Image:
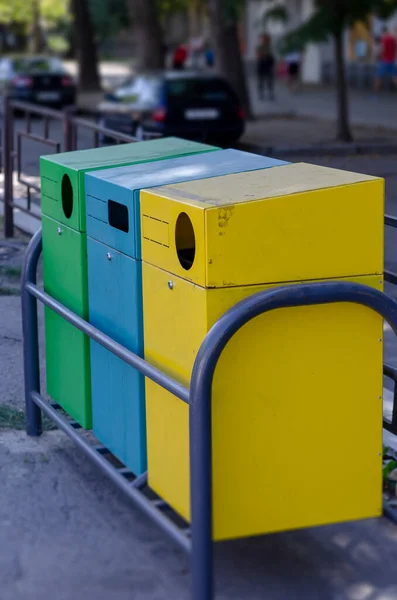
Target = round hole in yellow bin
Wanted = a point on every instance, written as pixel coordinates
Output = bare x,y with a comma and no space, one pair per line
67,196
185,241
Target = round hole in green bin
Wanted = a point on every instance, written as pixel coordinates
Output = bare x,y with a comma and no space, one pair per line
185,241
67,196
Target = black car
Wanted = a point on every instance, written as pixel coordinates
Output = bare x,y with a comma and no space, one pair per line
193,105
37,79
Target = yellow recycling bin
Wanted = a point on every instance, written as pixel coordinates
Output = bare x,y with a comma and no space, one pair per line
297,393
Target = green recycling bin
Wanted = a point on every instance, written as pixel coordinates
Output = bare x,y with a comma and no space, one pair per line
65,258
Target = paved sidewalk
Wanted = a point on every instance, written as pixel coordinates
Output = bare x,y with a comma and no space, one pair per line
308,117
71,531
282,136
367,108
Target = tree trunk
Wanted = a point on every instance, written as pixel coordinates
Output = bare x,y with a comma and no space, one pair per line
195,25
86,49
71,37
36,40
148,34
228,60
343,126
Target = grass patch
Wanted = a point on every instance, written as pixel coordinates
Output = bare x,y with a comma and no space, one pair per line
9,291
10,271
13,418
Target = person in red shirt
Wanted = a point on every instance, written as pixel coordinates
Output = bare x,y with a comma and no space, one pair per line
387,68
179,58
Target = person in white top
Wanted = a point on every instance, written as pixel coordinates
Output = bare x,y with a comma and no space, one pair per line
196,47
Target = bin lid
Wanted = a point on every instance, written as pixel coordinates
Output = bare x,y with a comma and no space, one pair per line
62,175
113,213
293,223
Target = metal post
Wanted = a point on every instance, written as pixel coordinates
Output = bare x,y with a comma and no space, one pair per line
200,449
68,131
8,161
394,414
31,358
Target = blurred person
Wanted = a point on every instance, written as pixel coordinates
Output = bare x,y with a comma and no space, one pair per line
361,50
293,60
265,67
179,57
387,59
209,57
196,48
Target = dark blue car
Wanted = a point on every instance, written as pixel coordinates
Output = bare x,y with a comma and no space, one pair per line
38,79
193,105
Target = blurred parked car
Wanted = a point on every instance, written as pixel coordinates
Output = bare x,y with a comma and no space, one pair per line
191,105
37,79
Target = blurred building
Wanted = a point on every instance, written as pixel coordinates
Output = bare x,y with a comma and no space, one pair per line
299,11
317,59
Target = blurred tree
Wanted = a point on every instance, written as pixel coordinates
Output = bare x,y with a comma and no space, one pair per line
36,35
148,33
109,17
86,49
195,12
332,18
170,7
27,17
24,11
224,17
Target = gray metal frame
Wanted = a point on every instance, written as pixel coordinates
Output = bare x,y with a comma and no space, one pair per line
196,540
389,371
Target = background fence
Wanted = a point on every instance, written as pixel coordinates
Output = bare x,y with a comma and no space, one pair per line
37,125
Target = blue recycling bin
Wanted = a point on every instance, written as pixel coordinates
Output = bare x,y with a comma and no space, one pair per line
115,286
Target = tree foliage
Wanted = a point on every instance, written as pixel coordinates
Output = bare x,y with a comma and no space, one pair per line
330,18
21,11
170,7
108,17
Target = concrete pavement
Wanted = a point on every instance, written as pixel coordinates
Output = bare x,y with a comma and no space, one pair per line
307,118
67,533
367,108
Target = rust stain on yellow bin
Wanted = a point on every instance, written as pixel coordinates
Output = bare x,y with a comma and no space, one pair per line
296,407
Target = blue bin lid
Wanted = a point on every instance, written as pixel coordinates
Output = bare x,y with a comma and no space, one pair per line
112,195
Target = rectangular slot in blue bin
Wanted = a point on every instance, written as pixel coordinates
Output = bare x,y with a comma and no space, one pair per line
115,286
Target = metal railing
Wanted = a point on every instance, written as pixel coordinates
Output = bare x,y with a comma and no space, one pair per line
389,371
12,147
198,539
